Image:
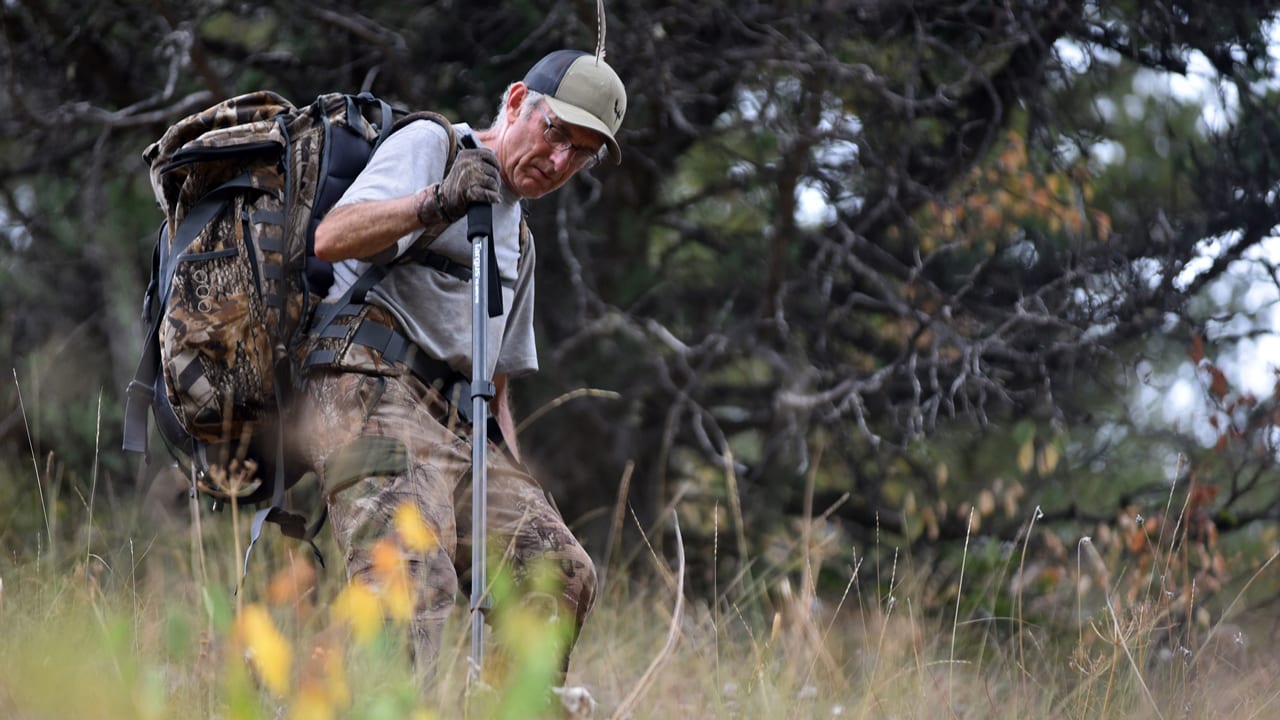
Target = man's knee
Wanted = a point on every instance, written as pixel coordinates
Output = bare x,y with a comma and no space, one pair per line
436,580
430,580
579,582
576,578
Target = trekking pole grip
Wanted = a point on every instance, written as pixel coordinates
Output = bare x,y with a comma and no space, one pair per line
479,215
479,221
480,232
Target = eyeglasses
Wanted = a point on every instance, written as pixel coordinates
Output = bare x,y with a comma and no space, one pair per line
558,139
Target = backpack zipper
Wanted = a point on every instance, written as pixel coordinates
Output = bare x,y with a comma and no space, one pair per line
184,157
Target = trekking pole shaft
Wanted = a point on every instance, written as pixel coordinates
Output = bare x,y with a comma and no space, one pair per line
479,230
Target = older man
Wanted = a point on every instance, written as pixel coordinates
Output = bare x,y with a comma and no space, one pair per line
384,374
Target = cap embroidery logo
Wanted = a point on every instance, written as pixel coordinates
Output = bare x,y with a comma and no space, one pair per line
617,111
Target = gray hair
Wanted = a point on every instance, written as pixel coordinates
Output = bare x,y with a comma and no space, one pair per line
531,98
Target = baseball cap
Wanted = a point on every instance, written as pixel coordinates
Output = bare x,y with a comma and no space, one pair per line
582,90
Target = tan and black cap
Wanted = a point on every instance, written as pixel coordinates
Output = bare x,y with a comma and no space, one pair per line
582,89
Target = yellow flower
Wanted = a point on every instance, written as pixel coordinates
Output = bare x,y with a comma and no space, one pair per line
323,684
413,530
394,589
293,583
335,679
358,606
311,703
265,648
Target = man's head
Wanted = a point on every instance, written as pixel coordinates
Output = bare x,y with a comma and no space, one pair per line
582,90
559,119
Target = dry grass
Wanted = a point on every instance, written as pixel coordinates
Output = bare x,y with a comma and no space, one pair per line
136,614
152,630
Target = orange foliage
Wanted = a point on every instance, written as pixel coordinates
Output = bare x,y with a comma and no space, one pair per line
1001,199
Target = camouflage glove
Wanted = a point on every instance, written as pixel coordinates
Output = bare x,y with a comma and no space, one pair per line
474,178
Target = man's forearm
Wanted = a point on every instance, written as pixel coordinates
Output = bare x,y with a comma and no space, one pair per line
363,230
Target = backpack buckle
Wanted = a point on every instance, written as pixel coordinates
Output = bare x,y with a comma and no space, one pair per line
140,390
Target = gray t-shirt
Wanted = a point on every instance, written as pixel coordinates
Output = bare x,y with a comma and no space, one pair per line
432,306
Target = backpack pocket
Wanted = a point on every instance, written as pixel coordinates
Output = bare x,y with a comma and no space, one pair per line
216,349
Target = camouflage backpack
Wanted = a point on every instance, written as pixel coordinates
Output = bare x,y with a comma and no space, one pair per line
234,280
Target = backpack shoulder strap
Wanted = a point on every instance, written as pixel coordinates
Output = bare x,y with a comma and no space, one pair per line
440,120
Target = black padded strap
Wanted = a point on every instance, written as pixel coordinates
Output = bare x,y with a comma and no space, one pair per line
449,266
141,391
386,116
351,299
393,347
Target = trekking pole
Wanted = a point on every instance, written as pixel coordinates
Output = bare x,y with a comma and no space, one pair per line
480,233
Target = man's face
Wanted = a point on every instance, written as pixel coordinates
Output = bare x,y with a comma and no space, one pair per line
539,151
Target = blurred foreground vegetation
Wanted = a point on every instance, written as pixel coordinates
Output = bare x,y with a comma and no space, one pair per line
146,624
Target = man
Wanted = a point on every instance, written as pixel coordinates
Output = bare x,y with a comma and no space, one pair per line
383,377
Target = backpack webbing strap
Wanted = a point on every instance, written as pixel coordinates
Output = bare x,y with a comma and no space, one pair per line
352,298
271,271
141,391
449,266
393,347
359,290
355,295
385,114
291,524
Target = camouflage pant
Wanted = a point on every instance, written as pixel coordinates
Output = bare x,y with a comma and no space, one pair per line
379,441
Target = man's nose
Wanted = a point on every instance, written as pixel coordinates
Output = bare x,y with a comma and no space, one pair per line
562,159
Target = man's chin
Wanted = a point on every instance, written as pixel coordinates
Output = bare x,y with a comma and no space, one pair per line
532,190
534,184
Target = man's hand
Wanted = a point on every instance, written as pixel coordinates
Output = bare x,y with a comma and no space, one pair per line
474,178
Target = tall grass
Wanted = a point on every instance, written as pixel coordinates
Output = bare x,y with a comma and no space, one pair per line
142,619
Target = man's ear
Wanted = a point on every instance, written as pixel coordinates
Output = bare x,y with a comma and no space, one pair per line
515,99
